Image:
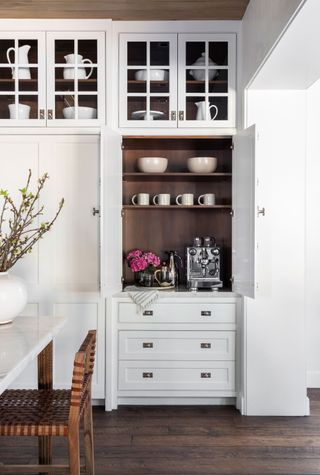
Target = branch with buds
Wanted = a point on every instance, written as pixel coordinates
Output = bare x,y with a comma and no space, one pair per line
18,232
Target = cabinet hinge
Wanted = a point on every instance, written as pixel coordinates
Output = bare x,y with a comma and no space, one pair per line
122,279
232,146
232,279
122,212
122,146
232,213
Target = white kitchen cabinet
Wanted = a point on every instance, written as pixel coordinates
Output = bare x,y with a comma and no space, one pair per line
63,271
55,79
177,80
183,346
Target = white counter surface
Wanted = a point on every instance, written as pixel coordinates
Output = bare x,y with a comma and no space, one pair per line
21,342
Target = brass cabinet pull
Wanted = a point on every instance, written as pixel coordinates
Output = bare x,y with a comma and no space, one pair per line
42,114
181,115
50,114
147,375
205,375
147,345
205,313
205,345
148,313
173,115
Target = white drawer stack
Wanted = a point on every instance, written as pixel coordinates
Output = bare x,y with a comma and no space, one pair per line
184,348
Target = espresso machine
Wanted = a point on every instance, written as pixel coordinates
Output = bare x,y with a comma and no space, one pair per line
203,264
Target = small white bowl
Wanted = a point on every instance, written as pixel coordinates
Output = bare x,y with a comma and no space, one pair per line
155,75
202,164
83,112
152,164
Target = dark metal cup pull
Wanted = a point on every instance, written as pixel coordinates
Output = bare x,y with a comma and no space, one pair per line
147,375
148,313
205,375
205,313
147,345
205,345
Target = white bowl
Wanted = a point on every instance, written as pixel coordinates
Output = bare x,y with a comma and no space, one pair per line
155,75
152,164
83,112
202,164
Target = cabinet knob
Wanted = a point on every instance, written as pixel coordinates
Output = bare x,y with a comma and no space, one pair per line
147,345
181,115
50,114
205,313
261,211
205,345
148,313
147,375
95,211
205,375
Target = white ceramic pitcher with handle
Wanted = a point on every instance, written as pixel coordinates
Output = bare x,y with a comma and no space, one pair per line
24,72
203,108
69,73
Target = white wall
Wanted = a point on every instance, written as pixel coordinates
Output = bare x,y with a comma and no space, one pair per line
275,341
313,236
262,25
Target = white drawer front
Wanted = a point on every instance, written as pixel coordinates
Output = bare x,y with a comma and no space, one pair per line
179,313
177,345
176,375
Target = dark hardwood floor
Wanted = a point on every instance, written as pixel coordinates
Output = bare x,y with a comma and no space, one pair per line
193,441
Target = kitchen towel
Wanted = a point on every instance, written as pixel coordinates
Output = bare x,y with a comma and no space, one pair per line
144,299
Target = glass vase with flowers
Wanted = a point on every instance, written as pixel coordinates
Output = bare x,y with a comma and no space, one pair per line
143,264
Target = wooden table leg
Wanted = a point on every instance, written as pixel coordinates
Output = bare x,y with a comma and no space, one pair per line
45,381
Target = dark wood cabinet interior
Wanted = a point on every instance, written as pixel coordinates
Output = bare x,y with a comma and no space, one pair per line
164,228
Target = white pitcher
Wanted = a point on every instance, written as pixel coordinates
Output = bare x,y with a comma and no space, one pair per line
202,108
69,73
23,73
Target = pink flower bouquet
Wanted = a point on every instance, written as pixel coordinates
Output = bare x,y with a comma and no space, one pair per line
142,261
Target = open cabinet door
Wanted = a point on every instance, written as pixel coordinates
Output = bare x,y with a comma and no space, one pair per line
243,225
111,199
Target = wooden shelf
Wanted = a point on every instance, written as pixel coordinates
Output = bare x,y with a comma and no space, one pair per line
189,81
128,207
180,176
81,81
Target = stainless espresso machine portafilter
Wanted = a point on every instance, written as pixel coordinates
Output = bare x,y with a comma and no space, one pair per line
203,264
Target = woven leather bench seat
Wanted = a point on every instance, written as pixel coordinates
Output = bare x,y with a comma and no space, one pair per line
34,412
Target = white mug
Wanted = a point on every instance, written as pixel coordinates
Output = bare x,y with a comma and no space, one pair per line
22,110
186,199
209,199
163,199
142,199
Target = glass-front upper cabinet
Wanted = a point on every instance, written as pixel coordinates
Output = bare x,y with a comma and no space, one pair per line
207,80
76,84
148,80
22,78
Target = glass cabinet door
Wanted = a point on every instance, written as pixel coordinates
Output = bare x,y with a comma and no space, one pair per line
22,79
148,80
75,78
206,80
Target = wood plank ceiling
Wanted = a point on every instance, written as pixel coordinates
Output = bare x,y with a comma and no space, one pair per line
125,9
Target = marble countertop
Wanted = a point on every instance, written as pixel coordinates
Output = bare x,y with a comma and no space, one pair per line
21,342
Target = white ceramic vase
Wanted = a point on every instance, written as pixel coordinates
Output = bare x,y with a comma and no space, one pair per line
13,297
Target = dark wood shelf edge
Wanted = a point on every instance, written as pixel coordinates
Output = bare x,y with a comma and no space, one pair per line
176,207
173,174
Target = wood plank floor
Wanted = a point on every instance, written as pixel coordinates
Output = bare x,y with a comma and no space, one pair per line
193,441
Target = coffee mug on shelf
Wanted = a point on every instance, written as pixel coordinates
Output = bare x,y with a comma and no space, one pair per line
208,199
142,199
19,111
163,199
186,199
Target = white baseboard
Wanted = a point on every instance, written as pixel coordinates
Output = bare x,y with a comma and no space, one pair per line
313,379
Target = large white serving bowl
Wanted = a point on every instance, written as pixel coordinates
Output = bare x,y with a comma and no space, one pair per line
154,74
83,112
152,164
202,164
